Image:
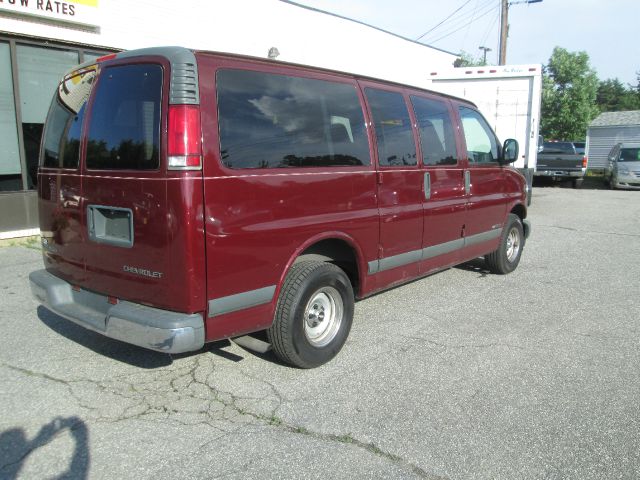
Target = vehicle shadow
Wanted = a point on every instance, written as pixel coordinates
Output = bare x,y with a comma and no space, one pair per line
16,448
217,349
476,265
589,183
105,346
132,354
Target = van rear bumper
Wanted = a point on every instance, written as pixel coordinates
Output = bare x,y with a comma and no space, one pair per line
147,327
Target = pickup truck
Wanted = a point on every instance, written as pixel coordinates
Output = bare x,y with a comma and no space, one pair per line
561,161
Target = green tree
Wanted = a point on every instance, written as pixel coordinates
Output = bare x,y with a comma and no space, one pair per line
569,89
613,96
468,60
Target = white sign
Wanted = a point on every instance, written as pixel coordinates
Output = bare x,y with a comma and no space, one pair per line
82,14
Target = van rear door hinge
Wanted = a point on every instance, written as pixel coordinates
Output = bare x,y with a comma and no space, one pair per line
379,178
380,251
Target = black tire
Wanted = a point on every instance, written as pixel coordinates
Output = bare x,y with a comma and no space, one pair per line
504,260
577,182
292,332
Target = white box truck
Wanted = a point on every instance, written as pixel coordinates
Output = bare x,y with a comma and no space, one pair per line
509,98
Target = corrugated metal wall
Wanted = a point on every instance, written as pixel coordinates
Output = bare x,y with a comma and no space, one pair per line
600,140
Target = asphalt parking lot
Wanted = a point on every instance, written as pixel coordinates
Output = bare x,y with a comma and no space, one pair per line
461,375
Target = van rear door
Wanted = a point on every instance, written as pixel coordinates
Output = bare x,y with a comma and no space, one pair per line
141,222
59,179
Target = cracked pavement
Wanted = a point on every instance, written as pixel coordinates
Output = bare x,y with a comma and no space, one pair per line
463,374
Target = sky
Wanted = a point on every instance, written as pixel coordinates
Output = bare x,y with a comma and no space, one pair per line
608,30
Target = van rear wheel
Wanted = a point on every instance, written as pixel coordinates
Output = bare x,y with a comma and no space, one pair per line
506,258
313,316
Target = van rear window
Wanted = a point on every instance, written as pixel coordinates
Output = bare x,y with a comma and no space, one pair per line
61,147
277,121
62,137
124,129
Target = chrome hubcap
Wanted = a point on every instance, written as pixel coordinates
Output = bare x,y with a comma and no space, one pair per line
323,316
513,244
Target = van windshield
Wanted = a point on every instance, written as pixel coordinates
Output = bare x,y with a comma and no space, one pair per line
629,155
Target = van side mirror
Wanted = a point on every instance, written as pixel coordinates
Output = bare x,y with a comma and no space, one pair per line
510,151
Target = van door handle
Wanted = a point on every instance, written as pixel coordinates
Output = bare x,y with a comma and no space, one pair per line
427,185
467,182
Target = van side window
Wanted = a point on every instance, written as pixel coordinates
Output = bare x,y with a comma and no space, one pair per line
124,130
482,145
393,128
276,121
436,131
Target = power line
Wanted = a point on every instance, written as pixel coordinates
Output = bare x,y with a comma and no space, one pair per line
463,19
450,15
466,32
485,13
491,25
458,29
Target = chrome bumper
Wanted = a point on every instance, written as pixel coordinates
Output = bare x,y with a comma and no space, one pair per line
627,181
559,173
147,327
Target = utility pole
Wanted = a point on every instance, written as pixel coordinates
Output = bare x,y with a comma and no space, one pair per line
504,26
504,32
484,55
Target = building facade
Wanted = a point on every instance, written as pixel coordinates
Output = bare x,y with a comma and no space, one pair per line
608,129
42,39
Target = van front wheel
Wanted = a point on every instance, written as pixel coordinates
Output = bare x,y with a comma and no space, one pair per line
313,316
506,258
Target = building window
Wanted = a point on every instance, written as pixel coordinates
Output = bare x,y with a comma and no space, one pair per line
92,56
30,73
10,171
39,73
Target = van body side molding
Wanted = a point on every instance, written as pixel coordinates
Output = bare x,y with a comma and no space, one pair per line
240,301
442,248
483,237
394,261
400,260
388,263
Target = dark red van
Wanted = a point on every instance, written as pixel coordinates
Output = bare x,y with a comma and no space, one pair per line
187,197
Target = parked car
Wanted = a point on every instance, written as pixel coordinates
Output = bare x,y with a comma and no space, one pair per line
187,197
623,170
561,161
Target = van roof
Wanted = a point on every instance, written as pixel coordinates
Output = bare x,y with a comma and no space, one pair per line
181,56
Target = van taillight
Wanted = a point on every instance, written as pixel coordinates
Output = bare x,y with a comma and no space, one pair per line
584,162
183,142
